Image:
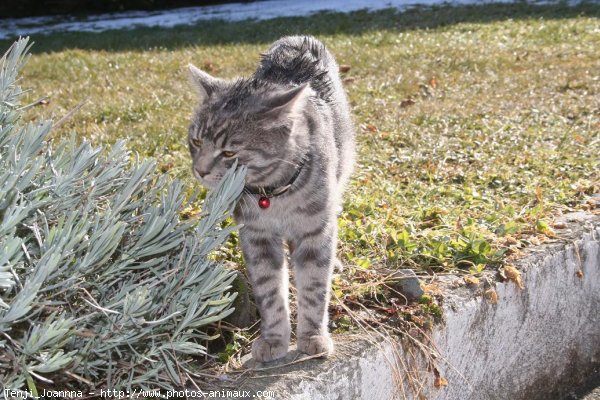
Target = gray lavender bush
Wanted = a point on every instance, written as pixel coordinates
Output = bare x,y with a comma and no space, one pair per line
101,284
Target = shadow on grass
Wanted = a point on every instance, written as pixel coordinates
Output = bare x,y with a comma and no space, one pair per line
257,32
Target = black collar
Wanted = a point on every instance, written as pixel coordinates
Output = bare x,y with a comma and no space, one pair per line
274,191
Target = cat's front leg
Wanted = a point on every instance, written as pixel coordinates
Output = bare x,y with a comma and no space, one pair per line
313,258
267,270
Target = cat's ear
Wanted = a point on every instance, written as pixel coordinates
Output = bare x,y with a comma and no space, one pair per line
288,102
205,84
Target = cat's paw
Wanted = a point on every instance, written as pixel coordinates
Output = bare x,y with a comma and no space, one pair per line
317,344
338,266
264,350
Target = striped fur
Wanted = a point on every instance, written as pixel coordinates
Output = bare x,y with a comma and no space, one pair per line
292,109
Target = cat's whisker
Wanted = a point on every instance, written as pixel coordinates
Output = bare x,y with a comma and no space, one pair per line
247,205
243,202
295,165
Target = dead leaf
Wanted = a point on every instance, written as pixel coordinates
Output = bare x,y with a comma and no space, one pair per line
559,225
208,66
432,289
419,320
491,295
471,280
344,68
579,274
514,252
407,103
348,80
514,275
190,212
458,225
539,195
440,381
371,128
579,139
166,167
550,233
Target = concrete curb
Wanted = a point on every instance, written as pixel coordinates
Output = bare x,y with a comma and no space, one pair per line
535,343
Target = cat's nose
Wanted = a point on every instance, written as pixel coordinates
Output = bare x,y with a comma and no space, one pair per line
202,173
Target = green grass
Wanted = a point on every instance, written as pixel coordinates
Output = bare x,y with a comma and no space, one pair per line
476,125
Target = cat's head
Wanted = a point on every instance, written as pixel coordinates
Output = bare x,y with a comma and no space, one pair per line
260,124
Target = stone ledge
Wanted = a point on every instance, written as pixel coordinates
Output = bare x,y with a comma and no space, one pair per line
534,343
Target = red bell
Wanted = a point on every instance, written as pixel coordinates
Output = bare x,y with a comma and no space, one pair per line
264,202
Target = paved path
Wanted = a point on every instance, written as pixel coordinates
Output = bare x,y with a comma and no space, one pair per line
590,391
595,395
11,28
592,395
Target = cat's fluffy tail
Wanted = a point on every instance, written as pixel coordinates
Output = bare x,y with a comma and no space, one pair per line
298,60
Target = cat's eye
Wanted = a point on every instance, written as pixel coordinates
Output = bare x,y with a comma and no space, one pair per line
196,142
228,154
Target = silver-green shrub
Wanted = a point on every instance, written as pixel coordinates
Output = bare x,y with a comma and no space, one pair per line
101,284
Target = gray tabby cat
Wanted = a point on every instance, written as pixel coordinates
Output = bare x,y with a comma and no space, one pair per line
290,125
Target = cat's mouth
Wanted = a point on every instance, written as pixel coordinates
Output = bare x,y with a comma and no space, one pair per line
210,181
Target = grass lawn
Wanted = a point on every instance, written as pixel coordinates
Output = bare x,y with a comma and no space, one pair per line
476,124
